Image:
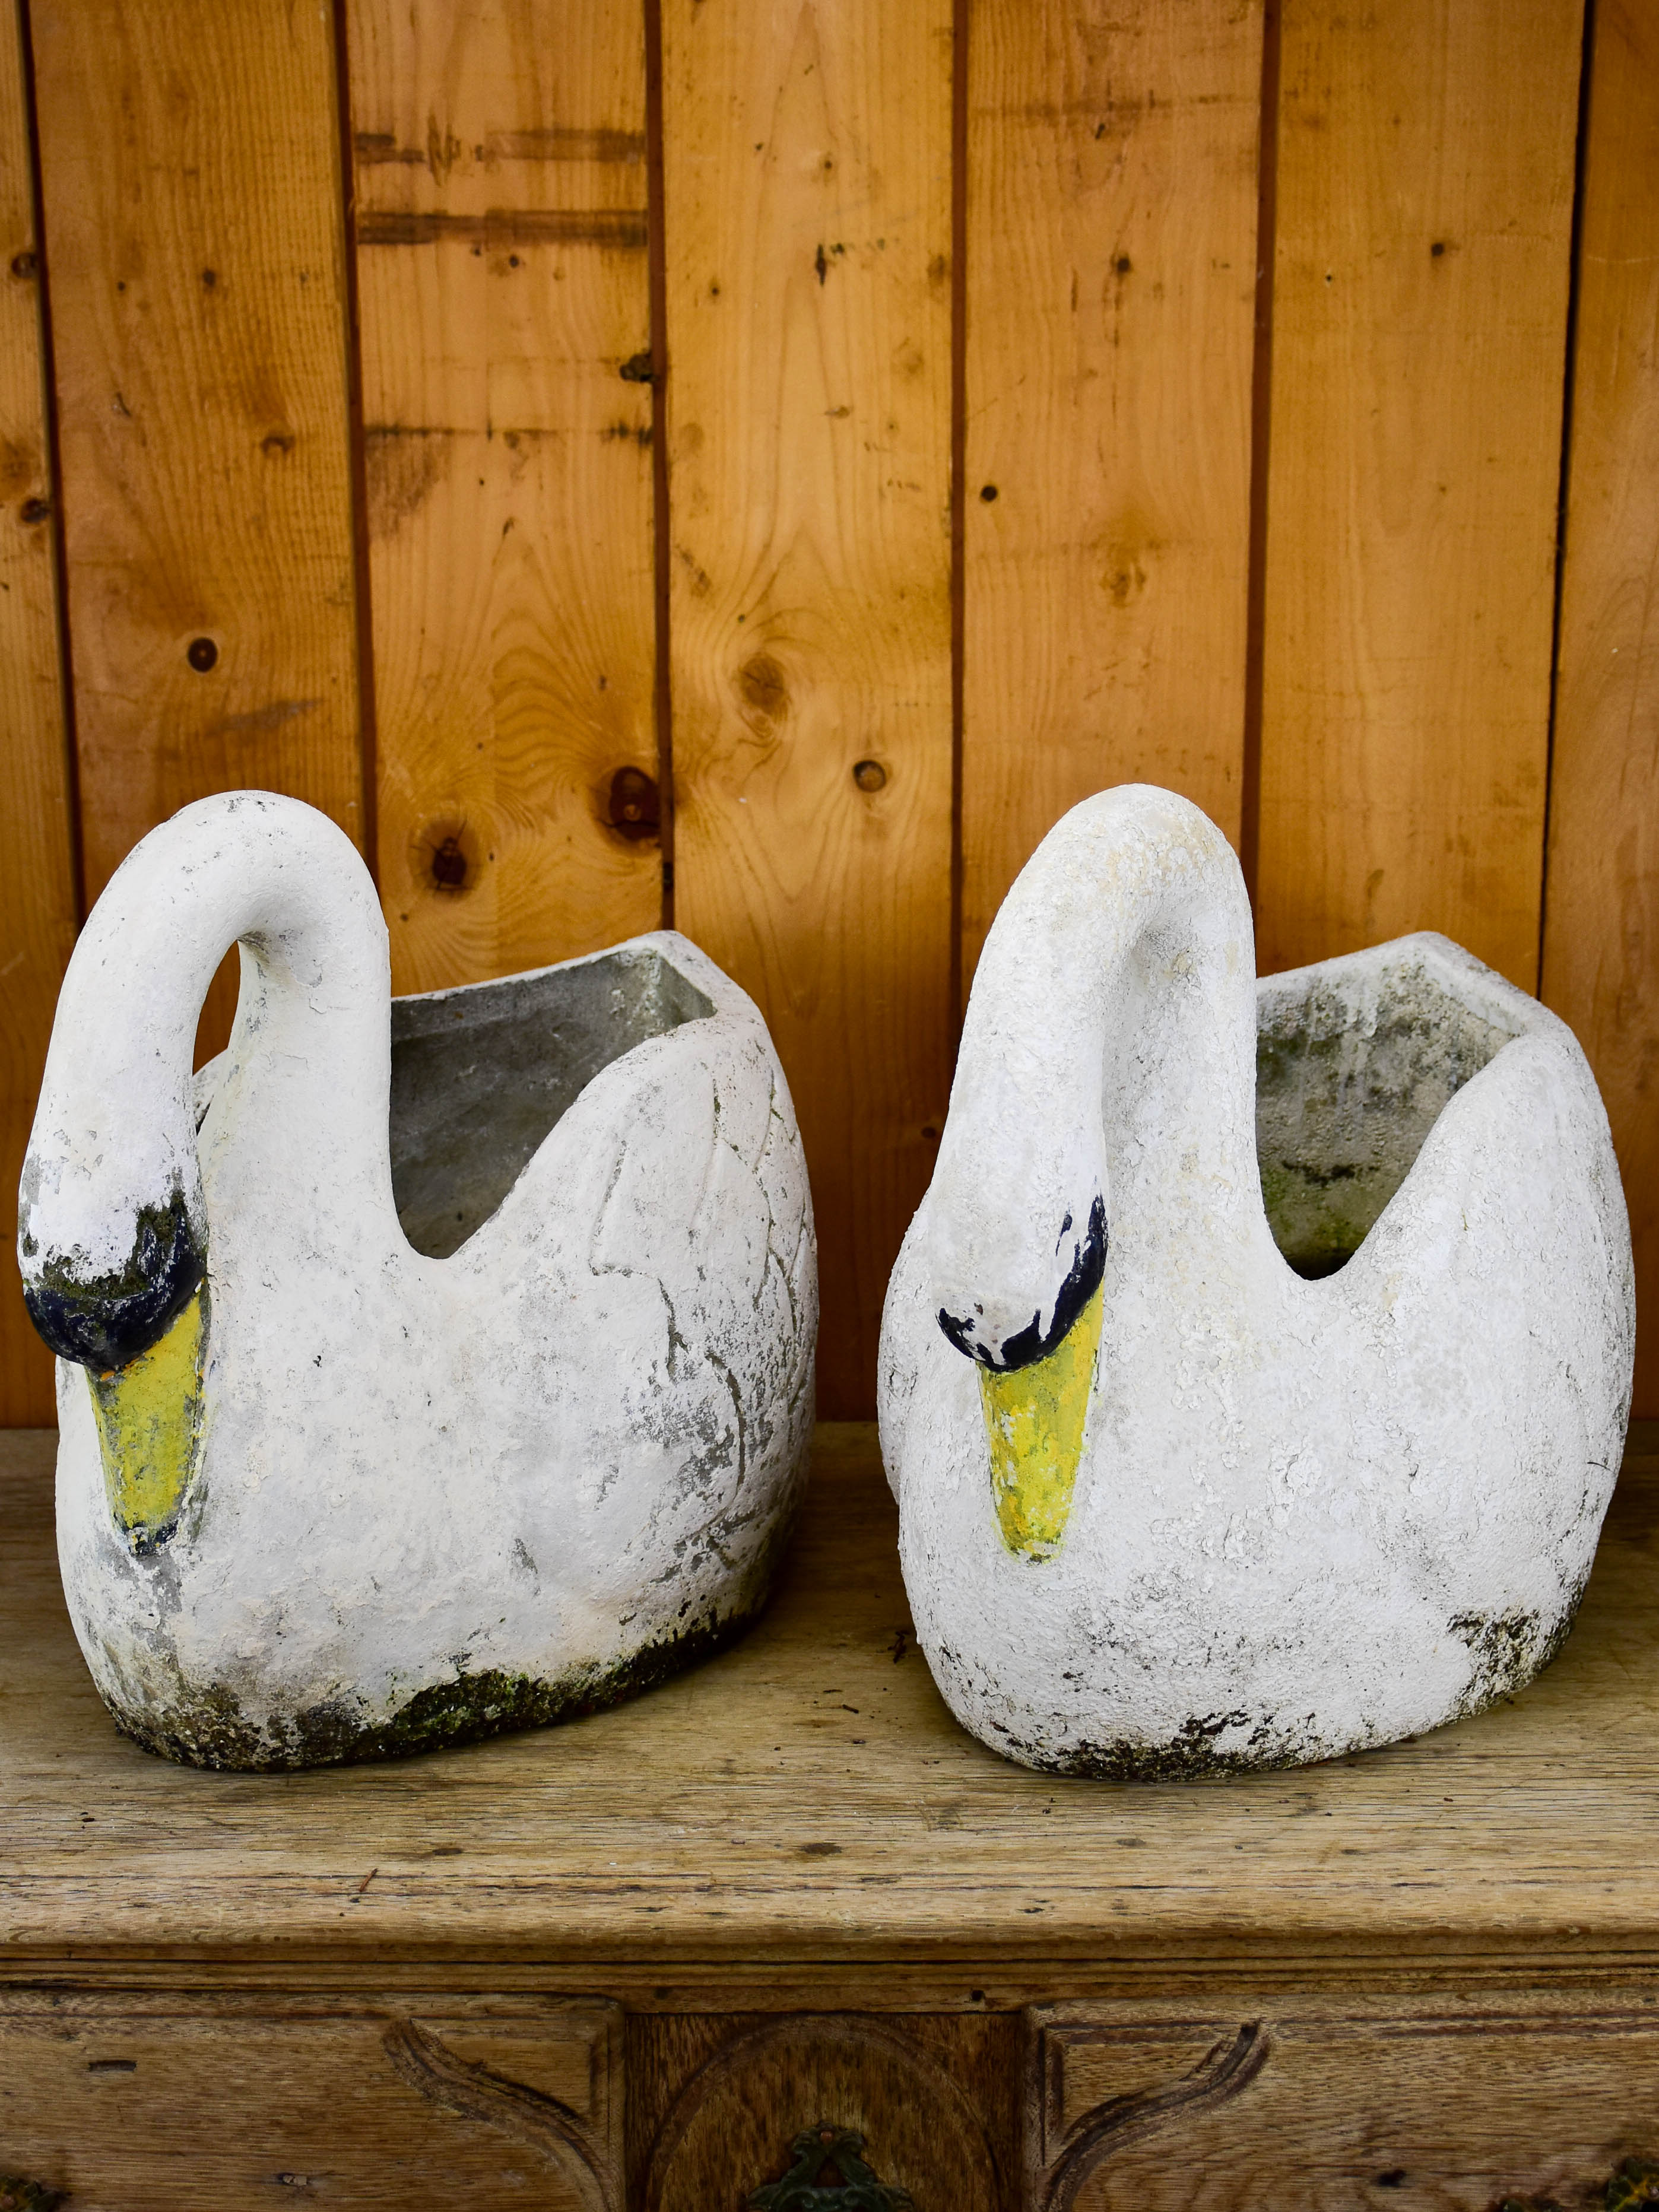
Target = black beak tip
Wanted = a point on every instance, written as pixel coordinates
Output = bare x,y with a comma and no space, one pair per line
1034,1342
107,1323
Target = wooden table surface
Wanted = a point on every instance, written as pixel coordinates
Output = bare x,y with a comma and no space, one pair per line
807,1798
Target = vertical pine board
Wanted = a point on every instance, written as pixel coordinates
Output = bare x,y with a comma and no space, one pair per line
1602,925
37,877
190,159
807,167
1112,192
1424,204
501,182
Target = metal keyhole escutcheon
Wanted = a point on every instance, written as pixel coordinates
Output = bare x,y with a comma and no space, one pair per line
803,2188
17,2195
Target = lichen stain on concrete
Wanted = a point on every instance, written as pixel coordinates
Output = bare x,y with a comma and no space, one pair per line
1510,1650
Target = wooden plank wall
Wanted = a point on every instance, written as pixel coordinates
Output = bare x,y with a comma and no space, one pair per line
1424,198
807,185
38,889
1112,174
501,278
754,463
1601,917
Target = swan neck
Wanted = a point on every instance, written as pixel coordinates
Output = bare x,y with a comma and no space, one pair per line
113,1158
1109,1049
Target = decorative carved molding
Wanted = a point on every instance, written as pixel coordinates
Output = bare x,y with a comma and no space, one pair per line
1225,2071
531,2116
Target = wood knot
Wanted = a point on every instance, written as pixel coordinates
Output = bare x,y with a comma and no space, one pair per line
869,776
634,809
765,687
202,655
447,854
449,865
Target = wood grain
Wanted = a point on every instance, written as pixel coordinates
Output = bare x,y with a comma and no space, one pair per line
220,2103
37,871
501,195
1112,193
190,165
1601,913
1424,199
1449,2108
806,1800
807,204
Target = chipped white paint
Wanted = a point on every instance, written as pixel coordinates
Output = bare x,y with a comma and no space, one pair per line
1307,1516
429,1495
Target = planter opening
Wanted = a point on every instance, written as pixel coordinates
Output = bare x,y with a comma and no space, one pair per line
480,1075
1352,1072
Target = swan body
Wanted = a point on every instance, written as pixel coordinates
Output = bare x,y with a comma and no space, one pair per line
1169,1503
323,1495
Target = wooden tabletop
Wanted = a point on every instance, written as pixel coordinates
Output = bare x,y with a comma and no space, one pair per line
807,1798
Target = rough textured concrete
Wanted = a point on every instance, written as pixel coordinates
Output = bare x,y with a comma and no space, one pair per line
517,1455
1348,1448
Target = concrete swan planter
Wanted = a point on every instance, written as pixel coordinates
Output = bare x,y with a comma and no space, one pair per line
333,1484
1173,1499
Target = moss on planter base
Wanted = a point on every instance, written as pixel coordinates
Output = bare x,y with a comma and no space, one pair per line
211,1729
1509,1650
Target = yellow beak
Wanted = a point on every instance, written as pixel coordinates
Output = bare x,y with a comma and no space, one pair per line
150,1422
1035,1419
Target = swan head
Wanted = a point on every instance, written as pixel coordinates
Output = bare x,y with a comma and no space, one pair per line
997,1333
98,1309
117,1284
1036,1345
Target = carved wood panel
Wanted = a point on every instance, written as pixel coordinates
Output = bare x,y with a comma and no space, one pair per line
717,2104
205,2105
1458,2108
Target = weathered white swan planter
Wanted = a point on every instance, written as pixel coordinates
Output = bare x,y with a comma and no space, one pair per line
1176,1497
368,1448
